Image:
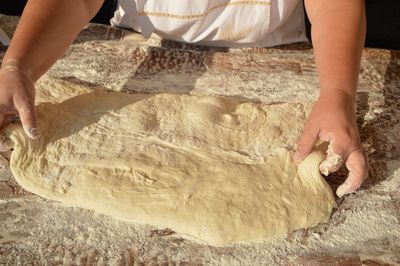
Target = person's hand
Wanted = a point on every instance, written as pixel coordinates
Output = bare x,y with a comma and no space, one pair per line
17,97
332,119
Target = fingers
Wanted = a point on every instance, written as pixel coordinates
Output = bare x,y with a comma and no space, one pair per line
333,161
357,164
340,146
27,113
306,143
17,95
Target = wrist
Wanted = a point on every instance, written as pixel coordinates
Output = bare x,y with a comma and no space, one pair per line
14,65
338,99
338,95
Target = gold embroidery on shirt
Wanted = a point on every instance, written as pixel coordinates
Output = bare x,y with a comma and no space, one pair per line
228,34
206,13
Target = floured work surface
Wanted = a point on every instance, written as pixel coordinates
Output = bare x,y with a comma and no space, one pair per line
211,167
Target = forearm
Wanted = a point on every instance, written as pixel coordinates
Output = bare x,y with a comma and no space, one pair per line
338,34
45,30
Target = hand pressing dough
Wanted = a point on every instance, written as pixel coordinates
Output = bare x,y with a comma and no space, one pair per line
214,168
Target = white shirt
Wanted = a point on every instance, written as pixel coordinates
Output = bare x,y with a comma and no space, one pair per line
233,23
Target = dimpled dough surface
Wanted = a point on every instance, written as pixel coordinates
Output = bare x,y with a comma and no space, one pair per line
214,168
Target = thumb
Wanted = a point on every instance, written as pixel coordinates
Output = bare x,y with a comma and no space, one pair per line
357,164
27,113
306,143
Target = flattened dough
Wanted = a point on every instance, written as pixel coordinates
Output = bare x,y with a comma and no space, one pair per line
214,168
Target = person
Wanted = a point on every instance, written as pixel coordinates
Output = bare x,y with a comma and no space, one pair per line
48,27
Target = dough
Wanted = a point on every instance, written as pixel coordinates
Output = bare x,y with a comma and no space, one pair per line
214,168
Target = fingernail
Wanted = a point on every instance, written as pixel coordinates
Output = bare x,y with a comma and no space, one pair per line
342,190
323,168
34,132
297,157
